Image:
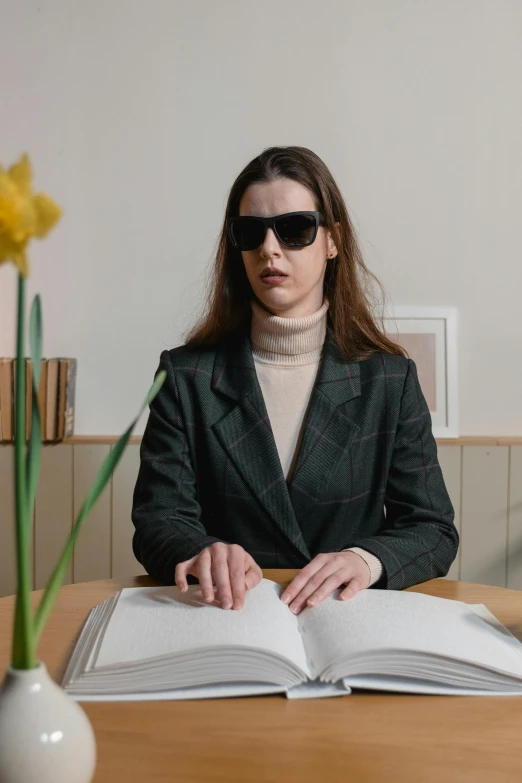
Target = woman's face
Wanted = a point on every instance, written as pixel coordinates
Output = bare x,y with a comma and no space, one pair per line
300,292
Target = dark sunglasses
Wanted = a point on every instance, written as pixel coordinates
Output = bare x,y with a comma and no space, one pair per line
293,229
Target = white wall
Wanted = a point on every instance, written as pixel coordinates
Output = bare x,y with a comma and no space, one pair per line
139,114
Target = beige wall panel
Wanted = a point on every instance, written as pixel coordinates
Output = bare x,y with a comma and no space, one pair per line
450,460
7,522
53,511
7,528
514,577
92,554
123,481
481,513
484,514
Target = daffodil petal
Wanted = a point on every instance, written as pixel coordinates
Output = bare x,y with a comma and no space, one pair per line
22,215
15,252
26,223
21,174
7,187
17,213
4,249
47,213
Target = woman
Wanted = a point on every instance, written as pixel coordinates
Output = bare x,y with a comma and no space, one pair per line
290,432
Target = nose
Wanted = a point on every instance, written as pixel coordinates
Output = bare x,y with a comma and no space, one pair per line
270,242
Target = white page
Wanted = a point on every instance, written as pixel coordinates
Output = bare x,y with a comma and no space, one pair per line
392,619
400,685
307,690
154,621
217,691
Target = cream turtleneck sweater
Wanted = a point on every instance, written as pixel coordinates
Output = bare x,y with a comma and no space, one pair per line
286,353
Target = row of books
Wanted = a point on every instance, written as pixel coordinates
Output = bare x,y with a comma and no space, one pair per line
56,393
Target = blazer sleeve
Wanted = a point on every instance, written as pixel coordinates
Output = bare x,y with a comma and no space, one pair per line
420,540
165,509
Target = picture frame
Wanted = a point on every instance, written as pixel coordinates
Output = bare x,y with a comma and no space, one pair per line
429,334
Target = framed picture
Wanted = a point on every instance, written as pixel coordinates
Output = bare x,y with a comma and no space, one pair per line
429,334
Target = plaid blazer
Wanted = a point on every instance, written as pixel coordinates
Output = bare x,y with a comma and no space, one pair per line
366,473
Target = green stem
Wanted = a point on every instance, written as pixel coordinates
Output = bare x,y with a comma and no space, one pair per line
23,647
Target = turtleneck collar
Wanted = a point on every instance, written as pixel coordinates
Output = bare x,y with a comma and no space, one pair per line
289,341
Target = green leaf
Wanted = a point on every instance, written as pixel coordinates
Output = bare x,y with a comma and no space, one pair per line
18,649
34,448
35,338
23,640
100,481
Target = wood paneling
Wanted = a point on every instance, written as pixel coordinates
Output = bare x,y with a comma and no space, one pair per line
7,522
484,514
514,573
92,553
484,483
123,561
53,511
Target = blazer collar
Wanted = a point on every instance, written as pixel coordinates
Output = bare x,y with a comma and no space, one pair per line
235,373
246,435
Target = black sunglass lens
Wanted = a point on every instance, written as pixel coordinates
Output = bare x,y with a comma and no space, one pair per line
292,230
296,230
248,233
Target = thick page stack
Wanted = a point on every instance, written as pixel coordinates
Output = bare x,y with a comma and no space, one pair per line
159,643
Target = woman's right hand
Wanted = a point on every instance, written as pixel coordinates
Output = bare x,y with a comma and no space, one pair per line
227,566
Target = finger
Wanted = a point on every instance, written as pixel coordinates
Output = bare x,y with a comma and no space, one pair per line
183,569
253,574
221,577
236,570
204,575
180,574
354,586
312,585
329,585
297,584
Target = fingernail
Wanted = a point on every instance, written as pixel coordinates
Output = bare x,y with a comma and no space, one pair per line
294,609
226,604
286,599
311,602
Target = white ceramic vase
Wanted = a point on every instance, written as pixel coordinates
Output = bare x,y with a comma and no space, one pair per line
45,736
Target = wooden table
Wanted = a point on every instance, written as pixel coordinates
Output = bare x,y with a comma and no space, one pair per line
357,738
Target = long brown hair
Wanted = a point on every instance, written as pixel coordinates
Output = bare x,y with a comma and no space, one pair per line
352,317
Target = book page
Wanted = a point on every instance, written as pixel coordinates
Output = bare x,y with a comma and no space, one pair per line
155,621
398,620
218,691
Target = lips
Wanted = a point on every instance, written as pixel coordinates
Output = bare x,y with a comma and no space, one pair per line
272,272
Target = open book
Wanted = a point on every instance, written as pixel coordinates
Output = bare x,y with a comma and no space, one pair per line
160,643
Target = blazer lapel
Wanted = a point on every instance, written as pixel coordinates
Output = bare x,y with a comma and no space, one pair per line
245,433
328,433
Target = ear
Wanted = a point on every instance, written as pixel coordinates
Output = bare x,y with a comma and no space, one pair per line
331,250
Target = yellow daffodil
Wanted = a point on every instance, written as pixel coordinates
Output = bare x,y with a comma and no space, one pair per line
22,214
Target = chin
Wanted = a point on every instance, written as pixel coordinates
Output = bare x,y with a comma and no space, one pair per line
274,298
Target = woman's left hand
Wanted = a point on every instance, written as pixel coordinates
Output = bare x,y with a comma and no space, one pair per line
324,574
